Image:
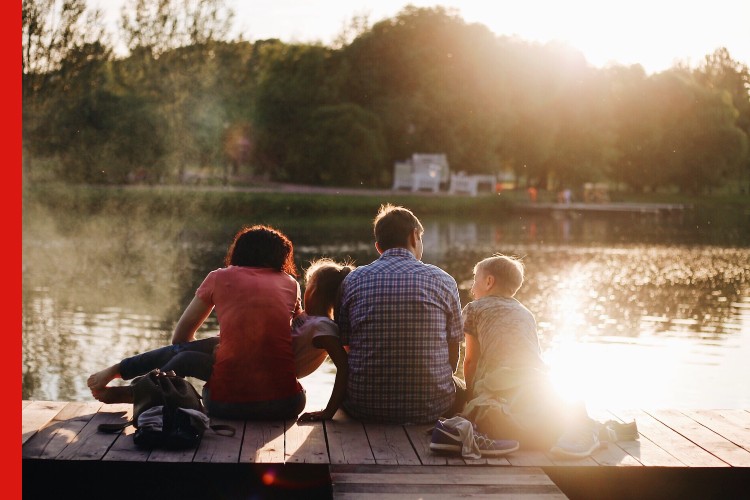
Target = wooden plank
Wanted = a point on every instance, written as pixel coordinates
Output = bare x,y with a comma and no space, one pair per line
390,445
305,442
263,442
644,450
704,437
670,441
441,482
36,415
24,404
347,441
447,475
125,450
348,495
219,448
420,441
90,444
529,458
60,431
733,425
162,455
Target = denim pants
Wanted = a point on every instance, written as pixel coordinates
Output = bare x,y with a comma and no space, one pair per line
187,359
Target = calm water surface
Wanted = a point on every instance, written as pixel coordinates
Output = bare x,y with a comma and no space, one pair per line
633,311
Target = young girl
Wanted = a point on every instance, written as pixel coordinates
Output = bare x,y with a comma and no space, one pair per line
251,372
314,333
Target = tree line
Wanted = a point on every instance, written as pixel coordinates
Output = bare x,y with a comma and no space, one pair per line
186,96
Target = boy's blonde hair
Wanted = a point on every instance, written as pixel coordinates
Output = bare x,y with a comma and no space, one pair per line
507,271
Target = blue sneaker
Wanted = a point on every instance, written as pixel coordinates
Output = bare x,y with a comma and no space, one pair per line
576,443
447,439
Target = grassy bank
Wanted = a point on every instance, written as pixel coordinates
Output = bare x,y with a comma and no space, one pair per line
187,201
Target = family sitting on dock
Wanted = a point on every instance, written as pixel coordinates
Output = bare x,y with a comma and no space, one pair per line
393,328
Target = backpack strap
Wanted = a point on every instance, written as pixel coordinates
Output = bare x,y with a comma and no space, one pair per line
113,428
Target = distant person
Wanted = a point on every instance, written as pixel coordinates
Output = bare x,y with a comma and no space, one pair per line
249,367
510,392
532,191
401,319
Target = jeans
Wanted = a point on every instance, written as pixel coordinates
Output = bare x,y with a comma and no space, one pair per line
187,359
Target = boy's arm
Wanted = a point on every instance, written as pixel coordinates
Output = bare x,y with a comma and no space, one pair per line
470,362
454,353
338,355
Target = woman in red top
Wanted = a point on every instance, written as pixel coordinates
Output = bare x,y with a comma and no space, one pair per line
250,372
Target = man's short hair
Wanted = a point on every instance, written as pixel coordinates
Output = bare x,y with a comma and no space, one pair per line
507,271
393,226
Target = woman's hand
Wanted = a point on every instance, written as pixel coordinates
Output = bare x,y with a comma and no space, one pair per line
316,416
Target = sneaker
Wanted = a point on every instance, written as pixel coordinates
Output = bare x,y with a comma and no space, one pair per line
447,439
576,443
489,447
444,438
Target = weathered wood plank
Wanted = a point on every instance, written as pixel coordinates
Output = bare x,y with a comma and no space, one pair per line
60,431
24,404
447,475
35,415
733,425
162,455
529,458
670,441
263,442
90,444
704,437
125,450
420,440
441,482
305,442
219,448
347,441
390,445
644,450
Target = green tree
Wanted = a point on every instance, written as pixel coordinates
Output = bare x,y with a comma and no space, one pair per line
344,145
53,33
293,81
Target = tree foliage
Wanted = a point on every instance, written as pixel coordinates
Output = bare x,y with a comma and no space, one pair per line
423,81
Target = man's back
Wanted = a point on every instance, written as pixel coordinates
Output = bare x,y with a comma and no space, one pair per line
398,316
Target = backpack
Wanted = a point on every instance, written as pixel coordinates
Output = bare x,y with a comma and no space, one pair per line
167,413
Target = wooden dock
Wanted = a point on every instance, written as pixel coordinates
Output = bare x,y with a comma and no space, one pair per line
394,461
609,207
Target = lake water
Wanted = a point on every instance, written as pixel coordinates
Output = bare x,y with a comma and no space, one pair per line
633,310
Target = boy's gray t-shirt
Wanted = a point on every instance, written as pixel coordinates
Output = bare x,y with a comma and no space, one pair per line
506,331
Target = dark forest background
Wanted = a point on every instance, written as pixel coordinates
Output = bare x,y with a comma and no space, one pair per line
187,103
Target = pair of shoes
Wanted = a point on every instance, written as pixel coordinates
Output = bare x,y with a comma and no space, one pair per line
448,439
580,442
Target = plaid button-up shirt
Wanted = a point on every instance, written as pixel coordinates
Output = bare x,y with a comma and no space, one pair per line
397,316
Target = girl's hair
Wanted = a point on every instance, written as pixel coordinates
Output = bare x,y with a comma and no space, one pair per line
262,246
328,275
508,272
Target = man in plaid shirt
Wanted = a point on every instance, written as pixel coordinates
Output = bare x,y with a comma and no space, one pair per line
401,319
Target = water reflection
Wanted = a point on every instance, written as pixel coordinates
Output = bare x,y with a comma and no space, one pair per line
632,311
